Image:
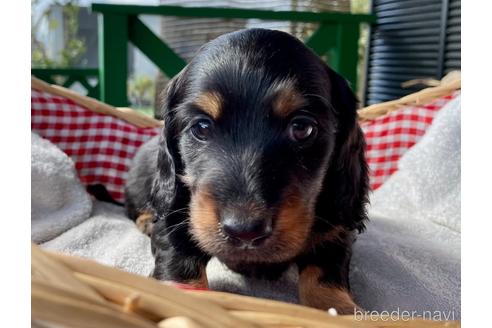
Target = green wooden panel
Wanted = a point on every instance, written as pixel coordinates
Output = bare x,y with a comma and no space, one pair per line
210,12
92,91
337,37
113,59
69,81
43,76
72,75
88,72
324,38
347,55
154,48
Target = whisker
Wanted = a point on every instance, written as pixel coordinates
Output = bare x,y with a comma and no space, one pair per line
173,228
177,211
325,221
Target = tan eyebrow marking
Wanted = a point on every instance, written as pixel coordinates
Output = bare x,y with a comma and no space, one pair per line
211,103
287,99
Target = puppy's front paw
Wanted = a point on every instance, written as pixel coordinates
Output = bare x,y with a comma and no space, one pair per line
334,300
145,223
324,296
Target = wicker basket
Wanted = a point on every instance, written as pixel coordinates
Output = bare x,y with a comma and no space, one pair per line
76,292
449,84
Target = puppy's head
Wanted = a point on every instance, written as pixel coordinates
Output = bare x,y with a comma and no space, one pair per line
262,137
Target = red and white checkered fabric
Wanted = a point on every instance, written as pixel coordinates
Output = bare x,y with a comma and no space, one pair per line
390,136
101,146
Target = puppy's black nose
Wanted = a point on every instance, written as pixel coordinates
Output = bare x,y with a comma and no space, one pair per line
248,231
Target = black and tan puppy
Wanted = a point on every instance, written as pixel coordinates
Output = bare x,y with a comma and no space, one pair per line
260,163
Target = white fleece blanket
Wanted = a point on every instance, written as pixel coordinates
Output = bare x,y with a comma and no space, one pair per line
410,256
65,218
408,259
58,200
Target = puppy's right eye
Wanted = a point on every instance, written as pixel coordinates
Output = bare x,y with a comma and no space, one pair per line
302,128
201,129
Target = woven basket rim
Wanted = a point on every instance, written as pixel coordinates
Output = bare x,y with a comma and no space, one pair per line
74,291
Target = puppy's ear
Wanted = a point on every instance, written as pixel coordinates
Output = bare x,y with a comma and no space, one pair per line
346,183
167,188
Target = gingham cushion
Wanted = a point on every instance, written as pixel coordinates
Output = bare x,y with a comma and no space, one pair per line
389,137
101,146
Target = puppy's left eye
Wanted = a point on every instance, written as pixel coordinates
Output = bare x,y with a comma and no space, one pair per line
201,129
302,128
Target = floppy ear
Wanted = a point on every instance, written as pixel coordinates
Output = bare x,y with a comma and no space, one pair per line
346,184
167,189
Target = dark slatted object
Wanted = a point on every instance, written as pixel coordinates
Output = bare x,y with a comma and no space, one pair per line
452,54
412,39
